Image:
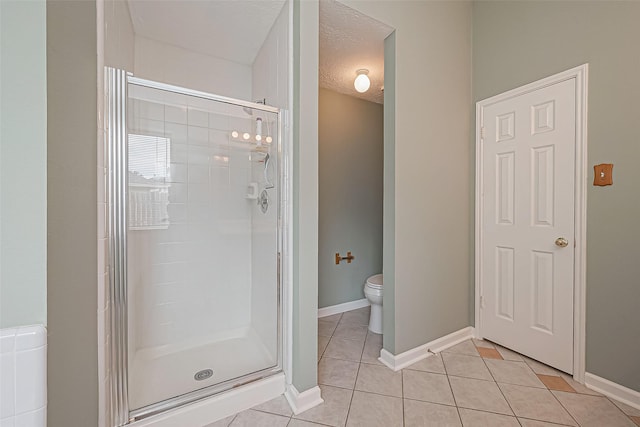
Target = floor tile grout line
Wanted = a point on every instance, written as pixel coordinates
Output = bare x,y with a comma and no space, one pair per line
324,351
310,422
373,392
603,396
492,412
353,393
446,373
348,339
267,412
548,422
436,403
339,358
544,386
565,408
402,394
495,413
354,385
233,419
364,344
499,389
619,408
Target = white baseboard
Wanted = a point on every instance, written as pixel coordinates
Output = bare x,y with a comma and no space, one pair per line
409,357
613,390
341,308
300,402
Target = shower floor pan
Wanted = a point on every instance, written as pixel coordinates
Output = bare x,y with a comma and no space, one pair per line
162,373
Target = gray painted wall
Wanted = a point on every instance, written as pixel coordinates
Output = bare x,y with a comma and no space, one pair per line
432,184
515,43
305,193
72,213
350,140
389,196
23,163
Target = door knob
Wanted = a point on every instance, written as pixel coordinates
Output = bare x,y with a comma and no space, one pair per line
562,242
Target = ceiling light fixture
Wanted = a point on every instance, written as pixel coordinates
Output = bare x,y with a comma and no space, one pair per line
362,81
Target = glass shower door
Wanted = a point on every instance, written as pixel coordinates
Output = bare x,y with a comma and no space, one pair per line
202,244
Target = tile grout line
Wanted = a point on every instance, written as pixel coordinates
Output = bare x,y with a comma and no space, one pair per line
446,373
402,398
364,344
478,379
563,407
382,395
353,393
548,422
498,386
619,408
233,419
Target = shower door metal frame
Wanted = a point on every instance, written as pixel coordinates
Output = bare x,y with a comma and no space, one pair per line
116,153
116,83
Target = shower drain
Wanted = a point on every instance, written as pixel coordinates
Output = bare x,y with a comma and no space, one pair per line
203,375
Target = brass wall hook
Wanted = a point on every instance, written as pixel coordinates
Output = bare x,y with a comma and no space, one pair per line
349,258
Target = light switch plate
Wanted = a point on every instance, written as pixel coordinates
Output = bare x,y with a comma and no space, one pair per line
603,174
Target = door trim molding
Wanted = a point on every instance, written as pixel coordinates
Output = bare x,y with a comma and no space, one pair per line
580,74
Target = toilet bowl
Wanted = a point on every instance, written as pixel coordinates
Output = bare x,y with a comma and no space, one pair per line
373,292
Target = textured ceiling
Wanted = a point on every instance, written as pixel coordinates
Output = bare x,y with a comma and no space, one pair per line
236,29
350,40
228,29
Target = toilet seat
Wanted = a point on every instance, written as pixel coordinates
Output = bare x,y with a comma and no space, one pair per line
375,282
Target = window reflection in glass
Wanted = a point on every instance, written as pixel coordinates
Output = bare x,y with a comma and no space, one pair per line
149,173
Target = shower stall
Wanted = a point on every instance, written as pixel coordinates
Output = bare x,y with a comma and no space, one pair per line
195,214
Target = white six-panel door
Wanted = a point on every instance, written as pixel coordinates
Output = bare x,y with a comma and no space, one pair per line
527,210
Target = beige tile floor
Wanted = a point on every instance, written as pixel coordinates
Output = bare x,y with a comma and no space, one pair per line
475,383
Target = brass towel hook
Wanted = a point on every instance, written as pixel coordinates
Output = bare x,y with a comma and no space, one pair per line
349,258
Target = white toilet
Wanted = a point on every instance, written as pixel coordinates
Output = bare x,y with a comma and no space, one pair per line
373,292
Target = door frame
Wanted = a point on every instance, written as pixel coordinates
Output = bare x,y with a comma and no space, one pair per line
580,74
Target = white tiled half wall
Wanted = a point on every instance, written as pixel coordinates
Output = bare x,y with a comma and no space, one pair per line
23,376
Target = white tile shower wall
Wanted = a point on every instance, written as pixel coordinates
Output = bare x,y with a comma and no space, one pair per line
193,278
23,369
264,250
271,82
